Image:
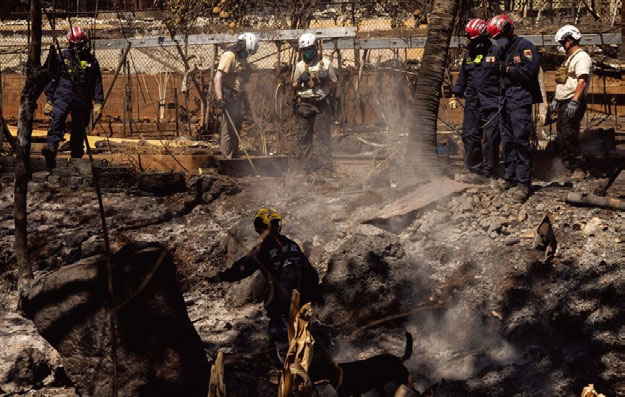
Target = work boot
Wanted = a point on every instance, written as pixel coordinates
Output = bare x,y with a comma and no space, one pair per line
49,153
509,185
520,194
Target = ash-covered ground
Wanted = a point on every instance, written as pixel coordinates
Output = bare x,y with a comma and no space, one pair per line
489,316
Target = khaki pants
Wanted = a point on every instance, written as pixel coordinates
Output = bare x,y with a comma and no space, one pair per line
314,136
229,141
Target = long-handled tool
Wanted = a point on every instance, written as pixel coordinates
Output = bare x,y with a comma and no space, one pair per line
236,132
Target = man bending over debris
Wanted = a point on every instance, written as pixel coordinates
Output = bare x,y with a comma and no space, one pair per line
77,83
313,78
232,74
284,266
573,80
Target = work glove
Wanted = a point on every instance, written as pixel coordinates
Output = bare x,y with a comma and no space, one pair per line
303,78
323,75
220,103
47,108
453,102
571,108
97,111
554,105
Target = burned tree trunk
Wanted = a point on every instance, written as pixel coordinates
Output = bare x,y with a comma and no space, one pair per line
421,147
36,80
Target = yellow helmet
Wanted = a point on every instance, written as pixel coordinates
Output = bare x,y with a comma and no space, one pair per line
266,215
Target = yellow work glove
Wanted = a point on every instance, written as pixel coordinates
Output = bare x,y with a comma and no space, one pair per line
97,111
453,102
47,108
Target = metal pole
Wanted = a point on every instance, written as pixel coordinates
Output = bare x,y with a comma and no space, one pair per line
234,128
210,85
340,78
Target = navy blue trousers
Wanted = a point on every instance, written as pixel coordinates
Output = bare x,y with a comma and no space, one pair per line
481,157
80,118
516,129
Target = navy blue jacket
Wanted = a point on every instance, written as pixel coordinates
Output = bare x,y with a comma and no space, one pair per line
479,77
521,87
87,80
280,260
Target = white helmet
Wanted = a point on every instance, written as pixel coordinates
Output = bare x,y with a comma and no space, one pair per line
251,42
307,40
568,31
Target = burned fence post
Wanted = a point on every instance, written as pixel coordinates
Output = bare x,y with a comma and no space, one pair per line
36,80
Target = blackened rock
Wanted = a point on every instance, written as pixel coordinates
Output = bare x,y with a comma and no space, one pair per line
162,183
114,179
358,286
158,350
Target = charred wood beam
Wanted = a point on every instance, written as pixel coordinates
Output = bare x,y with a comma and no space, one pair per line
589,200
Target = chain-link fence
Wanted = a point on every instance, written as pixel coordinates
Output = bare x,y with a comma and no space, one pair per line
375,81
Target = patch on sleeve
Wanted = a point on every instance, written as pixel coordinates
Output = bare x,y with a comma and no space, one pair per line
527,54
489,59
517,59
469,60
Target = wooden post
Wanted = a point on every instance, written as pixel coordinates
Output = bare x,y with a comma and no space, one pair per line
622,47
176,103
125,101
340,81
210,85
129,93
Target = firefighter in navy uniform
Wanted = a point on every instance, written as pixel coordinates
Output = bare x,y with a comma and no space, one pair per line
519,90
77,89
284,266
478,82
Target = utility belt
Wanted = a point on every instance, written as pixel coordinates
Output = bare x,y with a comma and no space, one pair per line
230,94
309,107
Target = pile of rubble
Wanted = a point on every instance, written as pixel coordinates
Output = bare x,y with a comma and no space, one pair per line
490,313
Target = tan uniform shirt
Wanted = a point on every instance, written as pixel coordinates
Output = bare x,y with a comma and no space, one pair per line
578,64
321,89
236,72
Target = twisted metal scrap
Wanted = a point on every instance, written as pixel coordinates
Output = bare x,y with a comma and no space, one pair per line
294,380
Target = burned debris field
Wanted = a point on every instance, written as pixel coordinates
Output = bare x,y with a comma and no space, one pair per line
331,198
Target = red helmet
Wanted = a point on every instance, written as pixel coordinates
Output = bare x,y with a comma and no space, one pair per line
475,28
76,35
499,24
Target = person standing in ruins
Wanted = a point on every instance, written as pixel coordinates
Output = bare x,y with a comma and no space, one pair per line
76,88
232,74
573,79
313,80
285,268
478,82
519,88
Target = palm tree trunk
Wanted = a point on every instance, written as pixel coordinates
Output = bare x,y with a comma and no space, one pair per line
421,147
36,80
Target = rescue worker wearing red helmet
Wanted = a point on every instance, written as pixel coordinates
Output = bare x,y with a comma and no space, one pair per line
284,266
76,89
519,90
478,82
